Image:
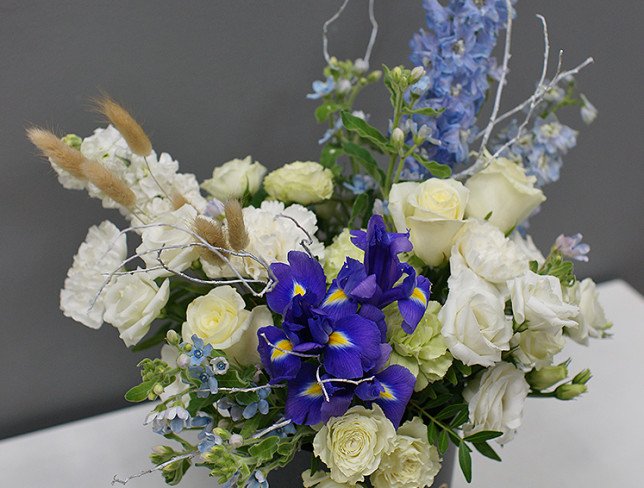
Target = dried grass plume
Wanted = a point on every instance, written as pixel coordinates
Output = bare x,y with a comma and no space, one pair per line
62,155
109,183
132,132
212,232
237,234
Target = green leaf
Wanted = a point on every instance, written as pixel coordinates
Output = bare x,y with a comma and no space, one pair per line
443,442
460,418
366,131
451,376
427,111
360,206
463,368
465,461
323,112
265,450
432,433
365,158
436,169
315,464
438,401
483,436
329,159
485,449
140,392
451,411
250,426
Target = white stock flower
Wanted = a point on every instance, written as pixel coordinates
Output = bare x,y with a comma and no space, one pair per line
475,327
413,462
527,247
244,351
496,398
179,254
336,254
235,178
591,319
300,182
352,445
272,233
484,249
538,300
102,252
433,212
132,302
503,192
322,479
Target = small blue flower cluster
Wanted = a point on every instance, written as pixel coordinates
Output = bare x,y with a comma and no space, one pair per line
456,52
236,410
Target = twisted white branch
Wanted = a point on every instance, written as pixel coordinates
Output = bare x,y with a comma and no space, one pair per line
336,16
156,468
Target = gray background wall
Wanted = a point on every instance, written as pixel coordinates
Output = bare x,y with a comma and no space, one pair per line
212,80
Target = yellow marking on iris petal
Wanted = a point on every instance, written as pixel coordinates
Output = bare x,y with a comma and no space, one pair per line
314,390
298,289
386,394
419,295
283,345
337,296
338,339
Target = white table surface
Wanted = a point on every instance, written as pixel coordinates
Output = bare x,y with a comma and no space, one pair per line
593,442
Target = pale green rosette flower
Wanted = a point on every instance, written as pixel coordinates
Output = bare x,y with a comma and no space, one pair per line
424,352
336,254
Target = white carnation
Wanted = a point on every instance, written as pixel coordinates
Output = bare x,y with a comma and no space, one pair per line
496,398
102,252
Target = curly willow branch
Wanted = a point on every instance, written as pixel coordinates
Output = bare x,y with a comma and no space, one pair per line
336,16
156,468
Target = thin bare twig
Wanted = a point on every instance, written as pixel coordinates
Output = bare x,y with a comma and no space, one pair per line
267,430
156,468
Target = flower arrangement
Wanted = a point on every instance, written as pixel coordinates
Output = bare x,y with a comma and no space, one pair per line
373,307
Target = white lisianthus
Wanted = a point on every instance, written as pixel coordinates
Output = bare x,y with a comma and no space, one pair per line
538,300
503,193
484,249
273,233
433,212
102,252
336,254
244,351
527,247
537,348
352,445
423,352
496,398
475,327
413,462
322,479
132,302
300,182
235,179
180,254
591,319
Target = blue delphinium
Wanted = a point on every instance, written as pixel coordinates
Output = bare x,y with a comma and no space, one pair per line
456,51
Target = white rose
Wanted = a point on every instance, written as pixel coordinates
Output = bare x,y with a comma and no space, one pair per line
219,318
496,398
300,182
504,192
337,253
102,252
485,250
538,300
244,351
132,302
322,480
352,445
527,247
537,348
475,327
433,212
180,254
235,178
591,319
413,462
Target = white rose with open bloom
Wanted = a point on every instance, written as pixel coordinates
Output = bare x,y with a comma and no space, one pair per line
168,234
102,252
219,318
244,351
475,327
496,398
352,445
538,300
413,462
322,479
300,182
527,247
235,178
433,212
132,302
486,251
503,192
591,319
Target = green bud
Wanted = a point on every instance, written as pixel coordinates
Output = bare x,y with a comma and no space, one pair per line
397,138
396,74
152,396
172,337
157,389
374,76
196,264
582,378
72,140
541,379
570,391
416,74
187,347
223,433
